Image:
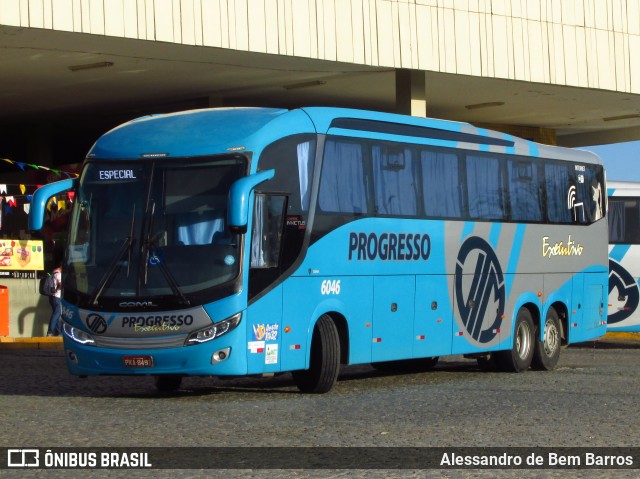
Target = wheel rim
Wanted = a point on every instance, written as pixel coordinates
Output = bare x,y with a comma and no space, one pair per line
523,340
551,338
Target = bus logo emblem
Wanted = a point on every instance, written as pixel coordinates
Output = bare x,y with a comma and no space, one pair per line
621,281
96,323
487,288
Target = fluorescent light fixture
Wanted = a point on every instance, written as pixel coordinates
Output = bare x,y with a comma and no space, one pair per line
90,66
489,104
622,117
307,84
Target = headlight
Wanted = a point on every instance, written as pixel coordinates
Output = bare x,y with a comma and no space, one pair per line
214,331
77,335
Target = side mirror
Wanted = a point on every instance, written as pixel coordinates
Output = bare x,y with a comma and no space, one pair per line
238,213
40,198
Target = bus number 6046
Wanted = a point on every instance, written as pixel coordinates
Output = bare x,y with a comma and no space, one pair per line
330,286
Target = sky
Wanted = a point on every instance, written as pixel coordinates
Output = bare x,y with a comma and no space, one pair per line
621,160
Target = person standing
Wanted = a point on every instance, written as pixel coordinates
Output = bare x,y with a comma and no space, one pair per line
54,301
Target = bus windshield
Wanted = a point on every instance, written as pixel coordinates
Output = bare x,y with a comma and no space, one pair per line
151,229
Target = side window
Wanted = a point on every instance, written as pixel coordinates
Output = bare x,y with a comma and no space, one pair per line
575,193
305,154
441,184
562,203
266,236
394,181
624,220
525,190
292,158
590,192
485,185
342,181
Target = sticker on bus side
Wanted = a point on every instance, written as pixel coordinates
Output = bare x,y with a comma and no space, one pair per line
265,332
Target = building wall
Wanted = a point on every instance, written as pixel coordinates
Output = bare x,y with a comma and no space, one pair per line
584,43
28,312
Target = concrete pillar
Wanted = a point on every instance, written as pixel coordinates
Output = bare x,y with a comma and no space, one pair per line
411,96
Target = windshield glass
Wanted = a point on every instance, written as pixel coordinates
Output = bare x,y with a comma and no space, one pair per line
152,229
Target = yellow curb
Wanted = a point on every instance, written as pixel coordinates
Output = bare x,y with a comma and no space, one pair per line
622,335
51,342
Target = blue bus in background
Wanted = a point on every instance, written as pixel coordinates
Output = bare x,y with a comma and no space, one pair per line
624,256
254,241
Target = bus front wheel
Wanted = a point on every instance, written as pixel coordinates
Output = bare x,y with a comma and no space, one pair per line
547,351
519,357
324,364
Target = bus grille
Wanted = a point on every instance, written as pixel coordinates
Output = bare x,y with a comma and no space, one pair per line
141,343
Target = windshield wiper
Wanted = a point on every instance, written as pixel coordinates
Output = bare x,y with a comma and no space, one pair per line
171,280
109,274
149,245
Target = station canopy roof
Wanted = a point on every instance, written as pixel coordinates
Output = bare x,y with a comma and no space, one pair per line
82,78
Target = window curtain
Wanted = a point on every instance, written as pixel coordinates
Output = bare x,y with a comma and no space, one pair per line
305,167
616,221
524,191
257,252
393,178
484,184
199,228
342,185
441,184
560,194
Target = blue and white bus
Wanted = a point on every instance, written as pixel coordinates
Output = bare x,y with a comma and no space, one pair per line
250,241
624,256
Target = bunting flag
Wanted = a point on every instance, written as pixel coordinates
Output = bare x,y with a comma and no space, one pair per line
18,196
18,189
22,166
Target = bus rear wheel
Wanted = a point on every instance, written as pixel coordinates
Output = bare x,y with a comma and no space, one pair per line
168,383
519,357
547,351
324,364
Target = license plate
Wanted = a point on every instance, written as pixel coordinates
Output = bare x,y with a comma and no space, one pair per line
138,361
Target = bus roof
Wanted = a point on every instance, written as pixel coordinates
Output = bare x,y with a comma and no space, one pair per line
623,188
219,130
186,133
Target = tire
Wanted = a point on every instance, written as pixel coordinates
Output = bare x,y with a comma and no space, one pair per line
324,363
519,357
547,352
168,383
